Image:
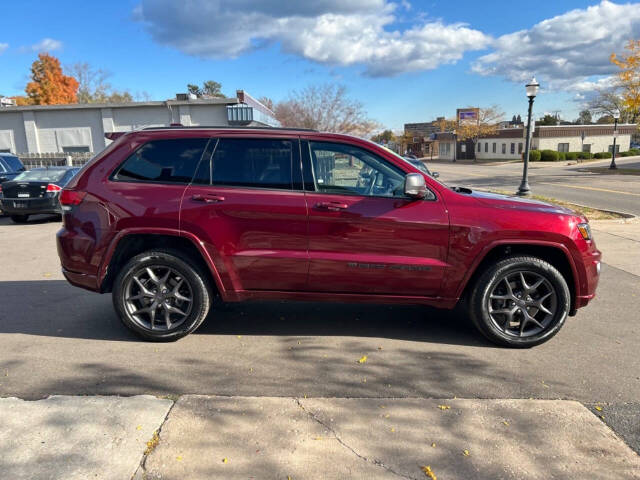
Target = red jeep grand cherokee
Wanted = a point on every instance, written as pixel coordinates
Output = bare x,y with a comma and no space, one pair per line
168,218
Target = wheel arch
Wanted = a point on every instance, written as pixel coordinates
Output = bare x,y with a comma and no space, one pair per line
131,243
556,254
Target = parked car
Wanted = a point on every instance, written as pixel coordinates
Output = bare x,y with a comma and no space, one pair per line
34,192
420,165
167,219
10,166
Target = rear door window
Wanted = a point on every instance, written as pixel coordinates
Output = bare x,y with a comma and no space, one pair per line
254,163
14,163
163,161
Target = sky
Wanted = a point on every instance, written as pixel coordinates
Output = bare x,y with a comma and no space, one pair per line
405,60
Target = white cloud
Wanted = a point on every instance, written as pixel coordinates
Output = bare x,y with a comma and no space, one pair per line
567,52
334,32
47,45
3,47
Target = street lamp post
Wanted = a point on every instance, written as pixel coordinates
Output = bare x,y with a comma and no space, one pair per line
616,116
532,90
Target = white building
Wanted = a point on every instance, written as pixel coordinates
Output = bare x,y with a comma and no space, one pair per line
76,128
509,143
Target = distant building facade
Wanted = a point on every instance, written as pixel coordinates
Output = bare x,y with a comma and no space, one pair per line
80,128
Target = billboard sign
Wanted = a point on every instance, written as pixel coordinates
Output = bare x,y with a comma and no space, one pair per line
467,115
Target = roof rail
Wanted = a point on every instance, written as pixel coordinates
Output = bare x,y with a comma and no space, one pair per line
226,127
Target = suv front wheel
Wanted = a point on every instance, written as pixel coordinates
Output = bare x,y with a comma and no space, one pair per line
161,296
520,302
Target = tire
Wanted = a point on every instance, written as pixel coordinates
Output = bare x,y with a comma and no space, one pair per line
509,312
19,218
135,294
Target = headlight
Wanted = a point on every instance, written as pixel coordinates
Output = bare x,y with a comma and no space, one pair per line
585,231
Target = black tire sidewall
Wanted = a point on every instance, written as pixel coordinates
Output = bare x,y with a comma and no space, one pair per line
19,218
200,291
488,281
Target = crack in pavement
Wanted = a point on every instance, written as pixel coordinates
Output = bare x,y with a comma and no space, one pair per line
141,471
374,461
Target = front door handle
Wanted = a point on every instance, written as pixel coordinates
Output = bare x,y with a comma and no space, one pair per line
208,198
333,206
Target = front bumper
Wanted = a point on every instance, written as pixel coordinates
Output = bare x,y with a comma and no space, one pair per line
30,206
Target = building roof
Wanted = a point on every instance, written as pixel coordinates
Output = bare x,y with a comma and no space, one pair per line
80,106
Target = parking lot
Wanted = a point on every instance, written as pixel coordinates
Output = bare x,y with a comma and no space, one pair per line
55,338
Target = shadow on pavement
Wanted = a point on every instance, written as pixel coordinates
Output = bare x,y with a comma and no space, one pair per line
56,309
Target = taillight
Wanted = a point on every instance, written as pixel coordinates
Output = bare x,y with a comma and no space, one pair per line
69,198
52,187
0,188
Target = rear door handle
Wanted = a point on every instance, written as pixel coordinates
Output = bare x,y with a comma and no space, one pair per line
208,198
333,206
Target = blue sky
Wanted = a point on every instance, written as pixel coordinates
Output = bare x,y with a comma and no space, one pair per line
407,61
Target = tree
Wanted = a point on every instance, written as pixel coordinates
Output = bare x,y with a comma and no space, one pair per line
607,102
384,137
93,86
629,77
209,89
49,86
485,125
584,117
547,120
327,108
267,102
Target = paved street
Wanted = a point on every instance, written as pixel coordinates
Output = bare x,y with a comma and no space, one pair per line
576,183
56,339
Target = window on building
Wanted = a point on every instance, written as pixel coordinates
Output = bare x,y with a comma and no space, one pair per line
479,146
486,147
345,169
254,163
617,148
504,148
563,147
5,150
445,148
513,148
76,149
494,147
586,147
520,147
165,161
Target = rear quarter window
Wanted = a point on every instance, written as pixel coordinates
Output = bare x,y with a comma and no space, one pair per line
163,161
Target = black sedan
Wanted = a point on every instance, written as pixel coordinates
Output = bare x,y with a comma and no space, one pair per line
34,192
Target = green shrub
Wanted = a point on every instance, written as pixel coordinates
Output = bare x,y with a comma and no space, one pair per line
635,151
602,155
549,156
584,155
562,156
624,154
534,155
571,155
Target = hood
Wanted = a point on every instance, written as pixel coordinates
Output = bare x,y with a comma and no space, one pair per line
519,203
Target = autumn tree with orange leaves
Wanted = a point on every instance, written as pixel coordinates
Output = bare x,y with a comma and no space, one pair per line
629,77
49,86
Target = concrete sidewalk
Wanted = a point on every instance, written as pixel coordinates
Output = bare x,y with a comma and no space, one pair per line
619,241
210,437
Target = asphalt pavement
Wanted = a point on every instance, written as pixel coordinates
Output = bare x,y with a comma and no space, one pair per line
577,183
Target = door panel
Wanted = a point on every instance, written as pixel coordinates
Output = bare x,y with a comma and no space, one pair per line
256,236
377,245
364,235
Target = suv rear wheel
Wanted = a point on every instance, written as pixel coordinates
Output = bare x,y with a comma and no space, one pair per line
520,302
161,296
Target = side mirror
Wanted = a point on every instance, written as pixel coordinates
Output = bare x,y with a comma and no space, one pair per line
415,186
435,174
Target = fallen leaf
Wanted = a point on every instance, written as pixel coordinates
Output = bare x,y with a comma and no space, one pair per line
225,460
393,429
433,444
466,453
179,458
379,348
46,274
139,427
444,407
598,408
363,359
386,416
505,422
239,336
428,472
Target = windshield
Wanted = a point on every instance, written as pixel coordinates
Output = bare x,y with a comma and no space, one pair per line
51,175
